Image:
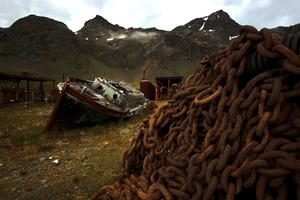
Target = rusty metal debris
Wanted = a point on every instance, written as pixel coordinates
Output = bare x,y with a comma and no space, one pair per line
224,135
167,86
11,90
148,89
84,101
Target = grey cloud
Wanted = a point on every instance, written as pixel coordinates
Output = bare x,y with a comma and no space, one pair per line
50,10
11,11
232,2
97,3
274,14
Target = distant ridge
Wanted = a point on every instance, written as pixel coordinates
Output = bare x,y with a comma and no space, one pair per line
46,46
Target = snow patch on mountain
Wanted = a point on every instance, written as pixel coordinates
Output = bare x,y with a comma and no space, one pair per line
201,28
233,37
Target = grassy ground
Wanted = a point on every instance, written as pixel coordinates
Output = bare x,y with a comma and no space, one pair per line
87,157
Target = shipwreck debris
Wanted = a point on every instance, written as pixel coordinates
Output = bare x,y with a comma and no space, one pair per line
167,86
226,134
148,89
88,102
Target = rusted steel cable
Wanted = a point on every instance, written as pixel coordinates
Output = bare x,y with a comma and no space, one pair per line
222,137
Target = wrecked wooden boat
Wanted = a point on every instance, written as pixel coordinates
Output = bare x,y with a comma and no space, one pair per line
88,102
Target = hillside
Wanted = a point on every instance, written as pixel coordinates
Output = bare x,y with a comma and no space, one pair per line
41,45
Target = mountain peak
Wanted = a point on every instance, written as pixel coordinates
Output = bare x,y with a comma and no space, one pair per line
98,27
220,14
99,23
99,19
216,22
33,23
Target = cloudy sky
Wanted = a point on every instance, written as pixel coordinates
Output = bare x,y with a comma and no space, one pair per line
163,14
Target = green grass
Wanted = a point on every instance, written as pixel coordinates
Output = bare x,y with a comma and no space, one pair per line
135,85
89,156
23,123
186,68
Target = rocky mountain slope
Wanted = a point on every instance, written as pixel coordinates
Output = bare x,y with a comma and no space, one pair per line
41,45
286,30
45,46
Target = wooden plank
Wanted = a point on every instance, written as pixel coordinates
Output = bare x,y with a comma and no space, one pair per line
1,97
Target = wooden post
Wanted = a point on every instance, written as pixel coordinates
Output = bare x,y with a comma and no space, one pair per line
33,96
17,91
17,96
1,97
42,92
28,95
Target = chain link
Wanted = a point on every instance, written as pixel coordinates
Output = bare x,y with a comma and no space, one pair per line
218,138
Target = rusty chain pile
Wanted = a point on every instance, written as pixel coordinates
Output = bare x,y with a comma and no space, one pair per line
224,135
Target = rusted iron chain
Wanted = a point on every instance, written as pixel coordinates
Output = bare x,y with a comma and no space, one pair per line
222,137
